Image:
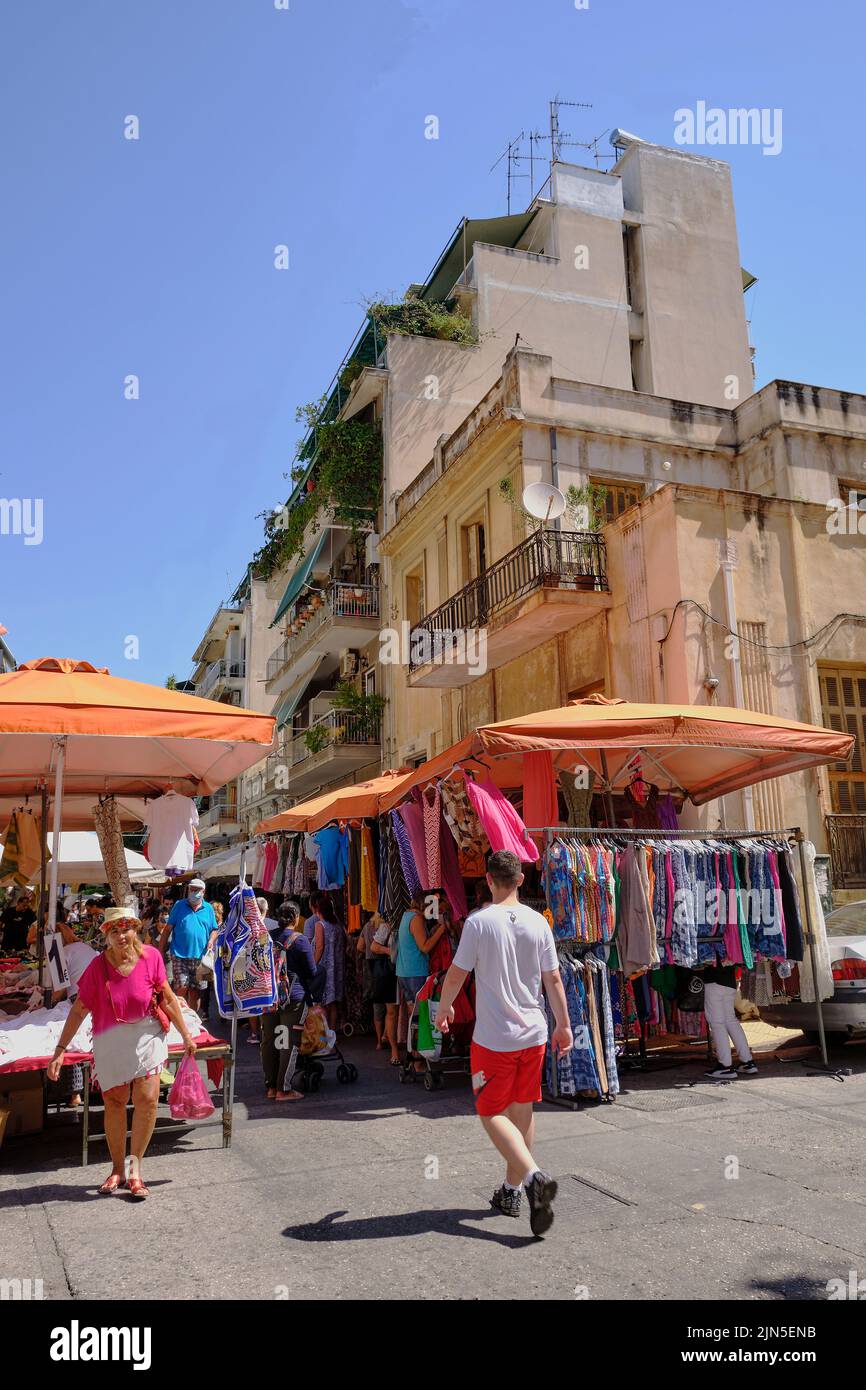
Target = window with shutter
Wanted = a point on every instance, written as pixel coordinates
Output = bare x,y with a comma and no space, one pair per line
843,705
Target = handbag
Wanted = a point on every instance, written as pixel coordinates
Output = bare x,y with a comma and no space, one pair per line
690,990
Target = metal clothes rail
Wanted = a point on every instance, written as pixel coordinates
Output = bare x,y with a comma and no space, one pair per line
793,834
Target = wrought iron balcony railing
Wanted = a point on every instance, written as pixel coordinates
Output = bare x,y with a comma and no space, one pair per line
569,560
341,600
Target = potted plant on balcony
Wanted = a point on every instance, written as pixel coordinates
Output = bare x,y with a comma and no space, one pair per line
364,711
316,737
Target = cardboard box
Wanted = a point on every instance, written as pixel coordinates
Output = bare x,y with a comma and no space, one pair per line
22,1094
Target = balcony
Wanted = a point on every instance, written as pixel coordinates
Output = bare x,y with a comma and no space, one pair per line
552,581
846,838
222,676
221,816
338,743
347,615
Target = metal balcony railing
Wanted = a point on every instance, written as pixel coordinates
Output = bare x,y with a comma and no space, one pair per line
846,836
341,600
336,729
571,560
220,671
221,807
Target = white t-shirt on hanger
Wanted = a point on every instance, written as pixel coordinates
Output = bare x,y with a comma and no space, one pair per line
171,820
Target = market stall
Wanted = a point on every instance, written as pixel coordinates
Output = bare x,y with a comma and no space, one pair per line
102,751
599,782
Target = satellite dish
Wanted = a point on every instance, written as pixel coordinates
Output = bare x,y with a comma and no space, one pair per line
543,501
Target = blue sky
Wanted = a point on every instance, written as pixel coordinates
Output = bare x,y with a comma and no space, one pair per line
261,126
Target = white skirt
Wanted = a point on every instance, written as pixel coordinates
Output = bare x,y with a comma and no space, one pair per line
128,1050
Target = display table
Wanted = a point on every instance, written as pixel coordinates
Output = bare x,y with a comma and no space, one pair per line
208,1049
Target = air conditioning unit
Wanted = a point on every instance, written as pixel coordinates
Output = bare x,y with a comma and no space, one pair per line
348,664
371,549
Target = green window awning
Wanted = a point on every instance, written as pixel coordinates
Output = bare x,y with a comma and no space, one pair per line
310,664
299,579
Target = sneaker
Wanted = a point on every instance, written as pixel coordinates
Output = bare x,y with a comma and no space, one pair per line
748,1068
506,1200
541,1192
722,1074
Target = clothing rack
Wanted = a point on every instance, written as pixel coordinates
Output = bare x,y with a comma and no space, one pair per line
792,834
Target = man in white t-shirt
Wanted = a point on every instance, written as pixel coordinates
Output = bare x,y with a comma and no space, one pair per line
511,949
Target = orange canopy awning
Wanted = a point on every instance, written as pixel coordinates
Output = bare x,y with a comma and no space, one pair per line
121,736
356,802
705,751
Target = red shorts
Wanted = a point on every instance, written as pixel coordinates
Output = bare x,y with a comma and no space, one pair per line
500,1079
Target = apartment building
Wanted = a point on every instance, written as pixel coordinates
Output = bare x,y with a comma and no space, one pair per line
726,514
603,346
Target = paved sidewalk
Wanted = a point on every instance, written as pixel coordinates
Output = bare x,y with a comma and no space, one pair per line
754,1189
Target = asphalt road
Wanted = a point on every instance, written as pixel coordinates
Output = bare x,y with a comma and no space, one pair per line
751,1190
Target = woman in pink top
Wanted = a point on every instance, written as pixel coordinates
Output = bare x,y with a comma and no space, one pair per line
121,990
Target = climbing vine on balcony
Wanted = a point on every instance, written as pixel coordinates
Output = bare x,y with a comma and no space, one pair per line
416,316
347,476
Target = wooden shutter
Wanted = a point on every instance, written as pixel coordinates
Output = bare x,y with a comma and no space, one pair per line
843,705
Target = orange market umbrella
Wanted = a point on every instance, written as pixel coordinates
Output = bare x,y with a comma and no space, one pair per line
343,803
112,735
92,734
704,751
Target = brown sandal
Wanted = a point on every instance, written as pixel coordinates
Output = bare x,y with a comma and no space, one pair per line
111,1184
137,1189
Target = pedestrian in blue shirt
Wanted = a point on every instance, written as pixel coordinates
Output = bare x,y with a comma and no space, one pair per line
190,932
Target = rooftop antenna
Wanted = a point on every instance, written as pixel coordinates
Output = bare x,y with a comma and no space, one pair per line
511,156
596,152
558,138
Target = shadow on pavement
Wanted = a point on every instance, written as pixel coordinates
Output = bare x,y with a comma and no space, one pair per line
411,1223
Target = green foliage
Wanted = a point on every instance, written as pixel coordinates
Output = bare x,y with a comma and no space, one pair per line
171,682
317,737
367,708
349,469
416,317
284,535
507,493
347,475
585,506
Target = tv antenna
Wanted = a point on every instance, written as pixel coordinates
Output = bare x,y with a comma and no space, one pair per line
510,155
560,139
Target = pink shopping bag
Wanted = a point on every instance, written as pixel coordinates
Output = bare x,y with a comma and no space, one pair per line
188,1098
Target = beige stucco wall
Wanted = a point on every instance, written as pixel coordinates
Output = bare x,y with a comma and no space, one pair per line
789,575
695,331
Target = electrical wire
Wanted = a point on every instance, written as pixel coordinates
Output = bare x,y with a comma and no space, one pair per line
749,641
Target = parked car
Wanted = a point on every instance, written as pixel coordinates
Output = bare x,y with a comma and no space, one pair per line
845,1012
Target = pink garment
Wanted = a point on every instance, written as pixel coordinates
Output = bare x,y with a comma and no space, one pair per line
431,810
452,879
113,998
272,854
412,817
502,824
733,944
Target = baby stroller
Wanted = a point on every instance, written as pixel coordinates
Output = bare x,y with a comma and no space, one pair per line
449,1052
306,1069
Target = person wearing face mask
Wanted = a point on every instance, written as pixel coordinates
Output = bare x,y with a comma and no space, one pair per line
190,932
